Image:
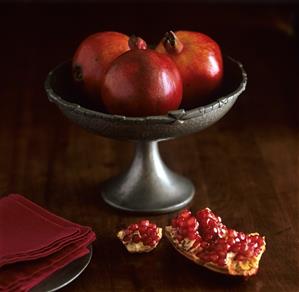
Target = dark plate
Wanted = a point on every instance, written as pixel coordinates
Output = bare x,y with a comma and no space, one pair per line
65,275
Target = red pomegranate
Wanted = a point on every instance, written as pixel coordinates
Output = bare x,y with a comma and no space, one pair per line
199,60
92,59
140,237
208,242
141,82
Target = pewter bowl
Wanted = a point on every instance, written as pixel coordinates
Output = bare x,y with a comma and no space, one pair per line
148,185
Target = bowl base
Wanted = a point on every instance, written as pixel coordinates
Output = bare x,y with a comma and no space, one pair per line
147,199
148,186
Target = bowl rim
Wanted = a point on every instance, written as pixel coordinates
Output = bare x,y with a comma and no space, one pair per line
179,115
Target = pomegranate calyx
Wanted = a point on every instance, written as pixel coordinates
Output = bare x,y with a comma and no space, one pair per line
137,43
77,73
172,44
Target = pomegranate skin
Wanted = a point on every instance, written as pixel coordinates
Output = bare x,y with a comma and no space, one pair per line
92,59
200,63
142,83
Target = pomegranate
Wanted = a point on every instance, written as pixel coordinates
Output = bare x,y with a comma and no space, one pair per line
93,57
204,239
141,82
199,60
140,237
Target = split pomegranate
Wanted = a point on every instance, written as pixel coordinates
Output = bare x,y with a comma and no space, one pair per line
141,82
140,237
199,61
92,59
204,239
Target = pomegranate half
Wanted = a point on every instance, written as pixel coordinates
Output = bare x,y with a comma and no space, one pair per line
205,240
140,237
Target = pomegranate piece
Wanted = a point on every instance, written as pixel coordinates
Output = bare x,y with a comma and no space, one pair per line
140,237
204,239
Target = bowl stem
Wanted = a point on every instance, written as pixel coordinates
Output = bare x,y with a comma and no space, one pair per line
148,185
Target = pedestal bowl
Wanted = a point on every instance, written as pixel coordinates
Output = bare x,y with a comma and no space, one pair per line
148,185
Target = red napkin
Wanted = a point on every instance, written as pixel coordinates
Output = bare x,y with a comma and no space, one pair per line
35,243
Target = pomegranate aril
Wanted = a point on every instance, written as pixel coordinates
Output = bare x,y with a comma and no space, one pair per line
260,241
184,214
249,253
127,238
192,235
136,238
129,231
152,232
214,257
152,226
205,244
143,229
191,222
242,236
181,223
231,241
133,227
179,237
232,233
235,248
240,257
144,223
221,261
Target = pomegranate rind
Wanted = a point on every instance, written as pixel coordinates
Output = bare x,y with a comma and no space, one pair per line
139,247
232,267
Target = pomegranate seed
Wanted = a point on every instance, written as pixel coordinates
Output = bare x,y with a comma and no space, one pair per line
126,238
153,226
136,238
214,257
191,222
205,244
143,223
232,233
240,257
192,235
235,248
260,241
129,231
179,237
242,236
230,241
221,261
133,227
185,214
180,223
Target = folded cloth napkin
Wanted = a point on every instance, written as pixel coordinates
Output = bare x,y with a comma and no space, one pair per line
35,243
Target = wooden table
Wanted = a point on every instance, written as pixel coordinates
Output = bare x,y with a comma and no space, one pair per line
245,167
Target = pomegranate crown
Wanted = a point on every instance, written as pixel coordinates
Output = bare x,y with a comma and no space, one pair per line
171,43
136,42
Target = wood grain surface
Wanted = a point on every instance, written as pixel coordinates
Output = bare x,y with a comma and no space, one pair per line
245,167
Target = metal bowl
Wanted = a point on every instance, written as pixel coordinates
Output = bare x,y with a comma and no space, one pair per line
148,185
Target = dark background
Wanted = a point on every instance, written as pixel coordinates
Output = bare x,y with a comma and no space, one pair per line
245,167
